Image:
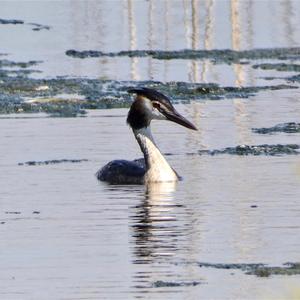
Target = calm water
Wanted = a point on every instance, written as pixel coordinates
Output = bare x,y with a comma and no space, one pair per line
113,25
66,236
93,241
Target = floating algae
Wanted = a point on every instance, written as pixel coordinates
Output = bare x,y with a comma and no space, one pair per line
243,267
21,73
219,56
95,94
295,78
11,21
51,162
10,64
196,91
35,26
160,283
290,127
38,27
286,269
260,270
16,87
105,94
244,150
278,67
15,90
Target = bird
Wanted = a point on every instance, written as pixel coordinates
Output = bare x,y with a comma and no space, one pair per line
148,105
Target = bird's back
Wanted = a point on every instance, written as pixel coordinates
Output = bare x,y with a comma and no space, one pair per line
123,172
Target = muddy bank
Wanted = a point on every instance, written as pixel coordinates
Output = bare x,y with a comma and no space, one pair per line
244,150
218,56
290,127
260,270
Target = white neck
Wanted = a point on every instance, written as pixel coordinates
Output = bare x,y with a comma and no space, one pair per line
158,169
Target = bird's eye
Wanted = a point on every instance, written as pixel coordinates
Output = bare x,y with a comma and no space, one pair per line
156,105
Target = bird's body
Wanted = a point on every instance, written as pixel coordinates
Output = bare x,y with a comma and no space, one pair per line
148,105
122,171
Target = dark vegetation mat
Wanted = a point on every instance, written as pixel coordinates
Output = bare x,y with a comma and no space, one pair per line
51,162
290,127
245,150
260,270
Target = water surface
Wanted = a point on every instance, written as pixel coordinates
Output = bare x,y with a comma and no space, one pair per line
91,240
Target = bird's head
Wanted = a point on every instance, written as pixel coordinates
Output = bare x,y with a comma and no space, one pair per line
151,105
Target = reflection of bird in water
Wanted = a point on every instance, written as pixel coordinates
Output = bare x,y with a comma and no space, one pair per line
147,106
155,226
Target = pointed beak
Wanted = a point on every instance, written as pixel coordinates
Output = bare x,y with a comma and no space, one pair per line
174,116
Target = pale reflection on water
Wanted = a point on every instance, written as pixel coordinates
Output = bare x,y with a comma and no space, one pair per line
155,24
160,228
153,215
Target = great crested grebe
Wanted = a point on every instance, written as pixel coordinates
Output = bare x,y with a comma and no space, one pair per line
148,105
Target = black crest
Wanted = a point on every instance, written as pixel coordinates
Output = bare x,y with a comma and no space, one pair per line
152,95
137,116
